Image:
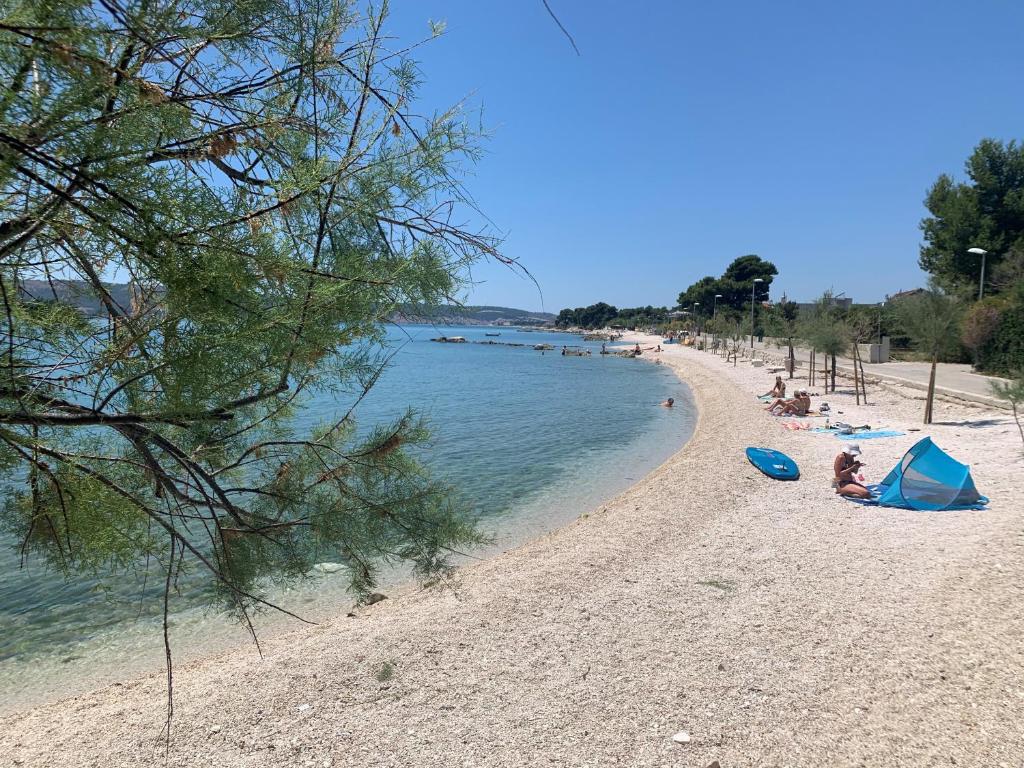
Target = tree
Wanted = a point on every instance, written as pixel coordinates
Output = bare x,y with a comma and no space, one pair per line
986,213
258,174
932,320
595,316
781,322
1013,392
825,331
734,285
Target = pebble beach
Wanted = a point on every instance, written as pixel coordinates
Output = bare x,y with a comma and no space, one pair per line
707,614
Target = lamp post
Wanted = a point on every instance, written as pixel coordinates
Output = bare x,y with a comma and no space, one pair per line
696,315
753,285
714,309
981,283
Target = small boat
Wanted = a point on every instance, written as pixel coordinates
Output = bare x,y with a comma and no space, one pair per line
492,334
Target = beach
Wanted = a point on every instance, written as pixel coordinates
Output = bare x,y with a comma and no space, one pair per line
774,623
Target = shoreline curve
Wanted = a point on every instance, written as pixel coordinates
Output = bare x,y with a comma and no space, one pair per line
774,623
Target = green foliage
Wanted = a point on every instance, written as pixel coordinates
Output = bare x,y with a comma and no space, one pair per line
1013,392
987,212
980,322
1002,352
268,220
780,321
824,328
932,321
595,316
600,315
734,286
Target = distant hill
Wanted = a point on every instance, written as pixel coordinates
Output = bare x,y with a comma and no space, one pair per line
78,294
471,315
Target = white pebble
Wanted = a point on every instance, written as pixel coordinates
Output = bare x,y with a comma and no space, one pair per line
681,738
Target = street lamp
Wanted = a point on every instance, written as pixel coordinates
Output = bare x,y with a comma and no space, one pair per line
753,285
714,310
696,315
981,283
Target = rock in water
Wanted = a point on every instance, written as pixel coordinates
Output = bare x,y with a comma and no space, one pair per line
328,567
681,738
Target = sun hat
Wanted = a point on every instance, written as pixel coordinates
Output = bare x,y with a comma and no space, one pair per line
852,449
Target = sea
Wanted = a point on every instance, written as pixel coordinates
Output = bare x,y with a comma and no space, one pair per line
530,440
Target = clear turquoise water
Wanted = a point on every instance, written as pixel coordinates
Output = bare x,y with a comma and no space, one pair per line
531,440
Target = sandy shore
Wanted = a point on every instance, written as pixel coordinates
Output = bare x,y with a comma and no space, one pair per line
774,623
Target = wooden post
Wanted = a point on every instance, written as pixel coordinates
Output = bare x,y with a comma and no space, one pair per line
856,376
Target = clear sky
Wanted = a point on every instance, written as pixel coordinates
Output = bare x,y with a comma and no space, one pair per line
689,133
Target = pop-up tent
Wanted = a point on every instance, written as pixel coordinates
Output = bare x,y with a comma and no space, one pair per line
929,479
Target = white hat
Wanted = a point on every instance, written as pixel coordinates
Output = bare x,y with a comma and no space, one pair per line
852,449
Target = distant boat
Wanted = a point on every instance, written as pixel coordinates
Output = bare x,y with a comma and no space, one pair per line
492,334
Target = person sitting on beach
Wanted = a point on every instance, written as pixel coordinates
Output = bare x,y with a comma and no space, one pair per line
779,390
636,350
658,348
846,467
668,403
798,406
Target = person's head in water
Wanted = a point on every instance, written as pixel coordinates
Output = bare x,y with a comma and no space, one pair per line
668,403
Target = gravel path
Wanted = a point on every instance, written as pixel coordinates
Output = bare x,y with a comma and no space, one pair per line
774,623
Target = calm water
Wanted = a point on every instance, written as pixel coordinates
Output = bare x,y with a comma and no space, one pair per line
531,440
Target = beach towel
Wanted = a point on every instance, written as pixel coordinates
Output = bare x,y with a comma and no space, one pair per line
871,434
877,490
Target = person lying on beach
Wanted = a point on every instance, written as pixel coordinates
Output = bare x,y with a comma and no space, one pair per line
779,390
846,467
668,403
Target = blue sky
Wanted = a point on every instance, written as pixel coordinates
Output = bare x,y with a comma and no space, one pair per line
689,133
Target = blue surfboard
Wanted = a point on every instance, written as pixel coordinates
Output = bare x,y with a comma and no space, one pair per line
773,463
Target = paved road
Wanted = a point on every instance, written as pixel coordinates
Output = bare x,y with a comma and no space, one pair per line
952,379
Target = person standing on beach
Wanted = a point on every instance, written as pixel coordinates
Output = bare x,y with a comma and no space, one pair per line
846,467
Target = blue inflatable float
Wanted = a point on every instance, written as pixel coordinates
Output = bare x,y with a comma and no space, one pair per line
773,463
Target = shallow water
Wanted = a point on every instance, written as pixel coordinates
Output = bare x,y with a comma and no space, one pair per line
531,440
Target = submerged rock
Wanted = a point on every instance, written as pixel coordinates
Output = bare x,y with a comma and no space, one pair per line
328,567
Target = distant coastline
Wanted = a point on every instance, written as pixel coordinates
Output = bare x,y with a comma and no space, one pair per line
82,296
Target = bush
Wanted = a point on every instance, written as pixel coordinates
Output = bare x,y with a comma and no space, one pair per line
980,323
1003,352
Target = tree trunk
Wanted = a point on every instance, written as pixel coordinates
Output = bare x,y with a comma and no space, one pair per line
833,373
856,376
792,359
863,384
931,391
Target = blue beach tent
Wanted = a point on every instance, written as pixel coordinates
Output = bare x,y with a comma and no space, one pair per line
929,479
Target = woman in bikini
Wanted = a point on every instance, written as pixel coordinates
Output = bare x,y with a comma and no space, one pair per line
846,467
778,391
